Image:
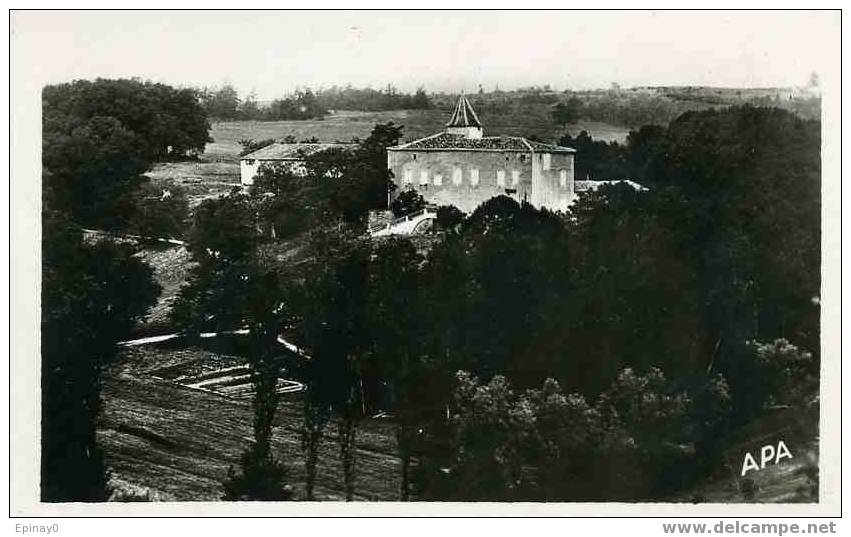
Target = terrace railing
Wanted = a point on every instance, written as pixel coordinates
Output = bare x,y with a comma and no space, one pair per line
402,225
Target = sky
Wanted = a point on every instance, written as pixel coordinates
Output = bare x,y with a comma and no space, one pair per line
272,53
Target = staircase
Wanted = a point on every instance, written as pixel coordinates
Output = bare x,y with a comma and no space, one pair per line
412,224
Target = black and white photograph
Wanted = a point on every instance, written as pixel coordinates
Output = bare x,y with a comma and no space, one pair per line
555,259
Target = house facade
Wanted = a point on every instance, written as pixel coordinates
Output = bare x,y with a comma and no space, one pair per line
462,167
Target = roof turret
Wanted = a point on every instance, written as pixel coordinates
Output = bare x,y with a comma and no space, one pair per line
464,115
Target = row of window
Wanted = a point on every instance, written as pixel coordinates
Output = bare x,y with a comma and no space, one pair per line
546,159
473,177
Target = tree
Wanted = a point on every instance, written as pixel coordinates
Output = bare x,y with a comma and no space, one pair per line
369,181
167,122
234,285
646,154
99,137
291,203
568,112
595,159
752,178
490,430
634,441
580,454
654,414
395,371
248,108
449,217
775,373
94,171
333,329
160,212
407,202
262,477
496,286
221,103
91,296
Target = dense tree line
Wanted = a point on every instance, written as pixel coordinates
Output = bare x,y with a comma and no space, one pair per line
660,106
162,121
98,138
372,100
224,103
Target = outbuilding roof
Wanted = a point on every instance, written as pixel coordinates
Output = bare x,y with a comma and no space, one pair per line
281,151
444,141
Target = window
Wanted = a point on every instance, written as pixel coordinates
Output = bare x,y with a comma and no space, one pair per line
456,176
515,177
424,177
522,158
500,178
250,162
415,156
474,176
437,179
562,178
408,176
547,161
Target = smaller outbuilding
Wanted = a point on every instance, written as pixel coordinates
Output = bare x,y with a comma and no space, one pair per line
291,155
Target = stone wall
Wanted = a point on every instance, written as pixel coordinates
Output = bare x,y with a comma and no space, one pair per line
554,180
435,175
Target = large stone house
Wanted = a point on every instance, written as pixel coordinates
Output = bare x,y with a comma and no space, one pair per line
462,167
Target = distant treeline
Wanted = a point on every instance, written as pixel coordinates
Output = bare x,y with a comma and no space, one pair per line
225,103
660,106
368,99
632,107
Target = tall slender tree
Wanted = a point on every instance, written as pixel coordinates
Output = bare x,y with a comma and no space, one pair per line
235,285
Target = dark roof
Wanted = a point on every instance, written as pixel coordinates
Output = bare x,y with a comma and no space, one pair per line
447,141
464,115
281,151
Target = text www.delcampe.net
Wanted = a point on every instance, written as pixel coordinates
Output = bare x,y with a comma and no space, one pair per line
755,528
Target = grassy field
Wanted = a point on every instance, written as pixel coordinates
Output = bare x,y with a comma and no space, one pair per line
339,127
344,126
200,180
